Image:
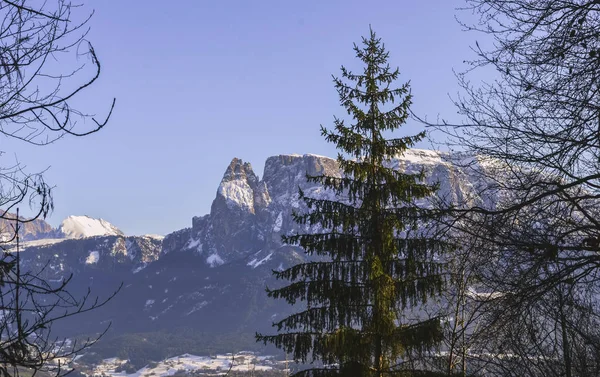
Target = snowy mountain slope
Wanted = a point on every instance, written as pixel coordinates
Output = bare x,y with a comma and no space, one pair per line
38,232
85,226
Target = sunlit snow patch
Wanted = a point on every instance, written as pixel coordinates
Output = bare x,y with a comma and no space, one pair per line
138,268
278,223
214,260
193,244
255,262
237,193
92,258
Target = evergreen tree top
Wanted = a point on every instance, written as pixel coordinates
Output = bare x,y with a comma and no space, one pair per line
365,96
374,262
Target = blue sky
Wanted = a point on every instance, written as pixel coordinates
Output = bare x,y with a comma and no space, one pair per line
200,82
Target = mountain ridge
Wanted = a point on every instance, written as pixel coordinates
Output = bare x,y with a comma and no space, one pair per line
211,275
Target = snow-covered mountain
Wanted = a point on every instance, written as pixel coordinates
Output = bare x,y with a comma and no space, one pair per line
249,216
211,276
85,226
39,232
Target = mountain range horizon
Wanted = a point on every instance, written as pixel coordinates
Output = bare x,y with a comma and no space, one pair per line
89,225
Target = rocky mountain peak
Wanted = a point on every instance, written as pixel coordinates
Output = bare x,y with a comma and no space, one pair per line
249,216
239,170
30,230
237,186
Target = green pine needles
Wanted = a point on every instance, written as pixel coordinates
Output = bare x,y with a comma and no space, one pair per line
378,262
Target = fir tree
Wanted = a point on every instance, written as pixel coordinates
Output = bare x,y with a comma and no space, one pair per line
378,263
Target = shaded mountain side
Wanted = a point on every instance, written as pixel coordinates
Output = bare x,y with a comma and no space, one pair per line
180,292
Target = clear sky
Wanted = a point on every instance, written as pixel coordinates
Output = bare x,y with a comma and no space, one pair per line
200,82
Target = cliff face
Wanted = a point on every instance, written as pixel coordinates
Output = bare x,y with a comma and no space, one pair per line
248,216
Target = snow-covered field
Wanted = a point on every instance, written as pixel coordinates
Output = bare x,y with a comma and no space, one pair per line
212,365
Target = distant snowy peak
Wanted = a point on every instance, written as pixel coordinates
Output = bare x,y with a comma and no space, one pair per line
85,226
